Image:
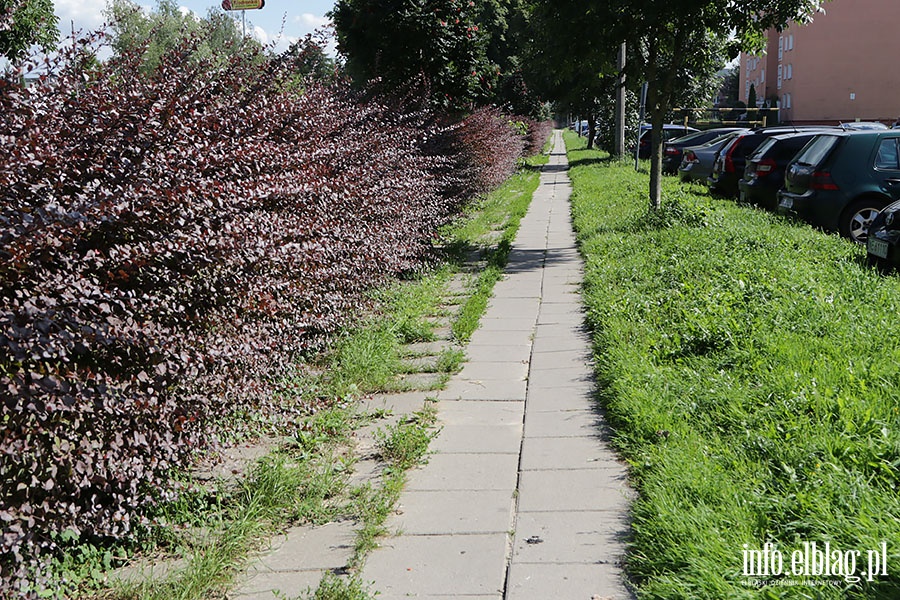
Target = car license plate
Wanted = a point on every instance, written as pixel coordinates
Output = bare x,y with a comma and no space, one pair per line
787,203
877,247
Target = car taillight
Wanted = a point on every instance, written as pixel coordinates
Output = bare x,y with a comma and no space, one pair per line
822,180
729,161
690,158
765,167
671,151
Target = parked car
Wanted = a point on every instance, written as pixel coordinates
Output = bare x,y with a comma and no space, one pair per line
841,180
883,240
764,169
674,149
670,132
729,164
697,162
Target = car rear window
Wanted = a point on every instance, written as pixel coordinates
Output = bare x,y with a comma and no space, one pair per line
763,148
689,137
816,150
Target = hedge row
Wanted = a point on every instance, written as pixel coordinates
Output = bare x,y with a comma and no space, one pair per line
169,246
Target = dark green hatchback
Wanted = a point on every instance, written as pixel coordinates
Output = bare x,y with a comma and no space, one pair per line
841,180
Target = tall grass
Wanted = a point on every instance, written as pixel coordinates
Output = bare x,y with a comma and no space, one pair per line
750,368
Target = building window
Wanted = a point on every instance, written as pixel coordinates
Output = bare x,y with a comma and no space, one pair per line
780,47
762,76
790,42
780,76
786,101
789,71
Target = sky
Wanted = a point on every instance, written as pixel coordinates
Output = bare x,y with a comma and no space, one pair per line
299,17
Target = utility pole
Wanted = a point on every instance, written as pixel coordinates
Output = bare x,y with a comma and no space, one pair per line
619,149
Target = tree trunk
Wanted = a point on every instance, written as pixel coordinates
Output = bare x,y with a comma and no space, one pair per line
619,146
592,130
657,117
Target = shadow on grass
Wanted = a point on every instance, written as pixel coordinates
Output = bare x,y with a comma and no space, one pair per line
587,162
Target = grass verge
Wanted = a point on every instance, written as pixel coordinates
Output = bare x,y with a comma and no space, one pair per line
747,367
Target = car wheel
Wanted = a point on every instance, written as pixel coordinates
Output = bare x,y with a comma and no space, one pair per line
858,216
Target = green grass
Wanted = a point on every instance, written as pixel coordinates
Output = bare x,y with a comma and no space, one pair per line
749,368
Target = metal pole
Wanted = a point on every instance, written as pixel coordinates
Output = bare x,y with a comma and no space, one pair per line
637,146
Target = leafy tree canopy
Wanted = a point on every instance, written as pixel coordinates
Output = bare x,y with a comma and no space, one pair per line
436,42
156,32
465,53
24,23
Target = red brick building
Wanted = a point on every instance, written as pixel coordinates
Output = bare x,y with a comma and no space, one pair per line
841,67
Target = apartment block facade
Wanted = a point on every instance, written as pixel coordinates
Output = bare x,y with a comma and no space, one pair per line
841,67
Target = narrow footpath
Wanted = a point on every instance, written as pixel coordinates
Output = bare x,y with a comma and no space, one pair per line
522,499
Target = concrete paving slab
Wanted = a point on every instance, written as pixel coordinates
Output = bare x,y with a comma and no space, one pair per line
464,512
571,397
277,586
521,287
560,377
572,582
587,452
401,403
562,359
569,537
572,307
513,307
429,348
297,561
323,547
476,412
513,371
488,389
443,565
562,423
576,489
482,439
566,341
569,320
454,472
512,339
492,353
504,323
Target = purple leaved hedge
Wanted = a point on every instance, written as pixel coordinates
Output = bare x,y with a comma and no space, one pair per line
170,245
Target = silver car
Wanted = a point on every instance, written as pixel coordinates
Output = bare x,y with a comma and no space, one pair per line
697,161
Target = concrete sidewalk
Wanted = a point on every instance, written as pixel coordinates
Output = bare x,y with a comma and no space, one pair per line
522,499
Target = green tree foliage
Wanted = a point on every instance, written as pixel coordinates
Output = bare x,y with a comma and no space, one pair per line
574,69
437,43
731,85
751,97
309,60
26,22
675,41
159,31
